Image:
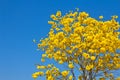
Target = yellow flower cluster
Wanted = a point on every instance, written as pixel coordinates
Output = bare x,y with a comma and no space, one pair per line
41,67
70,77
70,65
64,73
85,41
118,78
92,57
101,17
88,67
50,78
85,55
36,74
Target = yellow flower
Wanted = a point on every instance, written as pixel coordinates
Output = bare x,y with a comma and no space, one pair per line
75,14
61,62
53,17
80,77
117,65
49,66
41,73
50,56
39,45
101,78
58,14
88,67
76,61
50,78
85,55
102,49
84,14
38,66
34,76
51,22
114,16
48,72
64,73
41,67
100,17
111,75
57,29
70,77
70,52
70,65
91,51
118,78
89,38
92,57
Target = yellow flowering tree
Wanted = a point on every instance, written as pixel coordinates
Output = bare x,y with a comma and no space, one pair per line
83,43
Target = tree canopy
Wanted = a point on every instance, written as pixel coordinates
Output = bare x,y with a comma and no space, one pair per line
82,42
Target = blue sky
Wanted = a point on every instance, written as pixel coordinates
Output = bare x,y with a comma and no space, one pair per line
21,21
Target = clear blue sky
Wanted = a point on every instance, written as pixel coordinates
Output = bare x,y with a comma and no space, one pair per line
21,21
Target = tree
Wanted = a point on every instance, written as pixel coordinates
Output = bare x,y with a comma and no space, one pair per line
83,43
